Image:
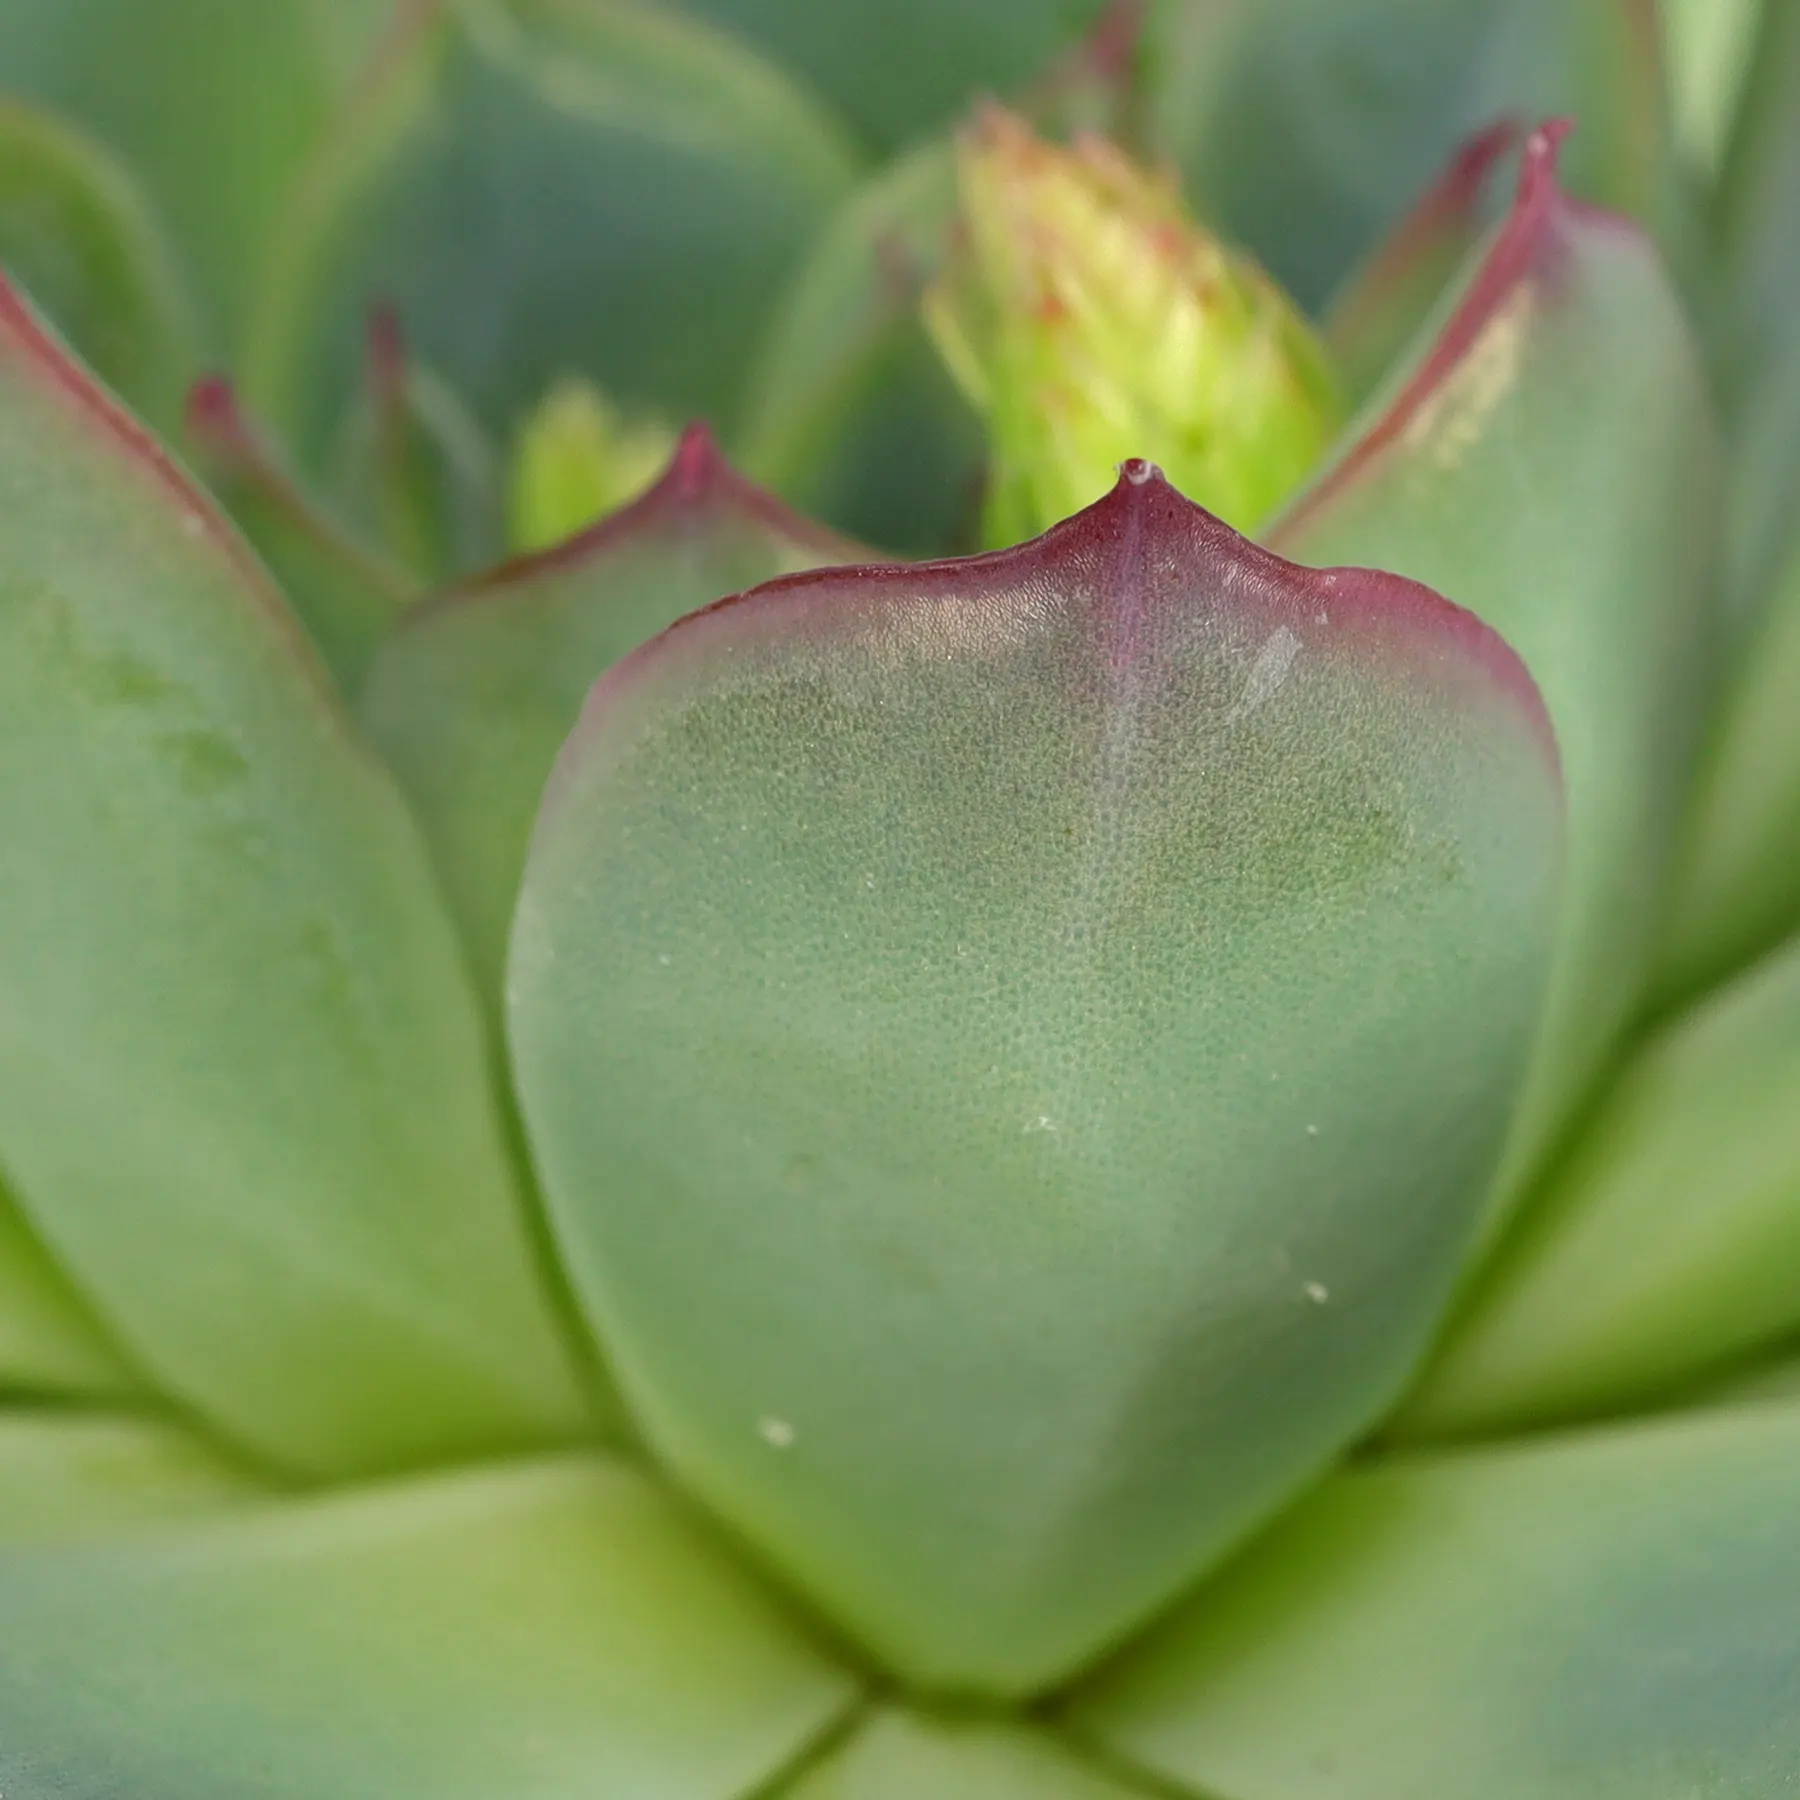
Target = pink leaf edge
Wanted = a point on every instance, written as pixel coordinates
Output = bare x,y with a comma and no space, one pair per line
699,485
1532,245
1141,518
31,345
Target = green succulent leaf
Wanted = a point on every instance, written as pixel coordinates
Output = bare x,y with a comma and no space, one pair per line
49,1339
897,1755
1764,490
214,103
536,1632
1668,1240
412,467
76,232
347,593
1380,309
898,69
1547,460
70,1476
1738,888
1604,1617
471,699
1758,210
954,1008
546,188
243,1089
849,412
1756,346
1711,50
1307,126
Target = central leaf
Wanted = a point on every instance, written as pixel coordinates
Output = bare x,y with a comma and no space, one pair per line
1016,1048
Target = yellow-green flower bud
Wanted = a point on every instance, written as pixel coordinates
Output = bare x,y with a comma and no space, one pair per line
1089,319
577,458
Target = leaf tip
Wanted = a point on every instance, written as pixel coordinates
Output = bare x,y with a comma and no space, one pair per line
698,484
214,420
386,356
1539,178
697,465
1529,249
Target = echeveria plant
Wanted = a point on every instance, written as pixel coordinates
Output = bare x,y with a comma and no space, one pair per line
734,1065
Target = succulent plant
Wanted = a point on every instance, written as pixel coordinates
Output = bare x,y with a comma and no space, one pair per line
734,1064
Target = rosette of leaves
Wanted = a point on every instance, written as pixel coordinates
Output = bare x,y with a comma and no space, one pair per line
758,1153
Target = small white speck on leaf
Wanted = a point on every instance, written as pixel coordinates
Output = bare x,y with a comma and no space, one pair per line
1317,1292
778,1434
1312,1131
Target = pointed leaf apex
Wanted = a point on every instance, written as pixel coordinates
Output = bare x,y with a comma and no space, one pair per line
698,463
215,421
1538,182
386,352
1115,39
224,437
698,484
1090,84
1528,251
1141,525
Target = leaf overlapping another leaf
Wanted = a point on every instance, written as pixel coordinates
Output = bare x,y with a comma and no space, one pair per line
244,1096
931,996
1547,457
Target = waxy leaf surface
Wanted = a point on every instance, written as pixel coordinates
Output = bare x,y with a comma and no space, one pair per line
1014,1048
471,699
849,412
1667,1240
244,1094
1547,461
68,1475
896,1755
76,233
545,188
215,103
541,1633
898,68
411,466
1602,1617
347,593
